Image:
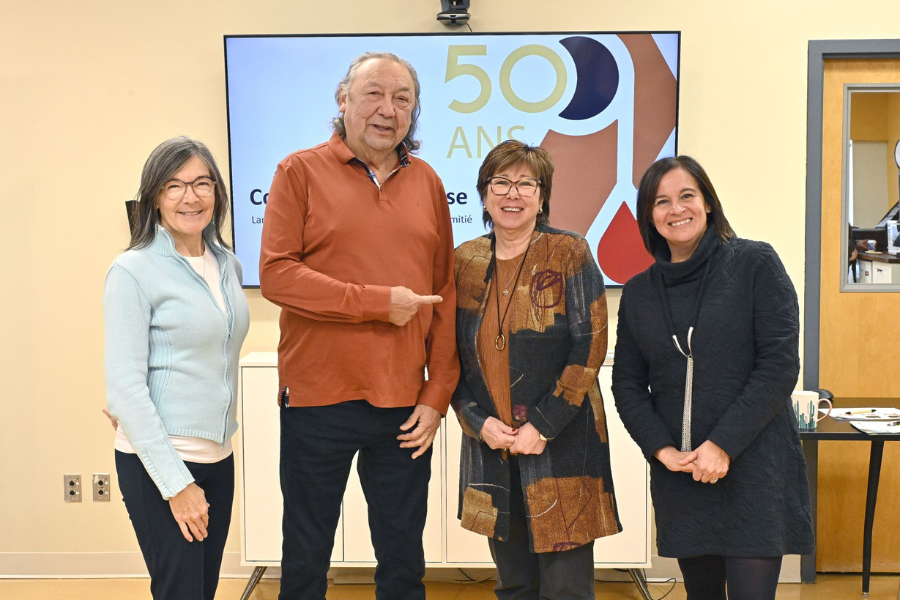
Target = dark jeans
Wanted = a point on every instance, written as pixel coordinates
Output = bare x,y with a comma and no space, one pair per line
524,575
706,577
317,448
179,570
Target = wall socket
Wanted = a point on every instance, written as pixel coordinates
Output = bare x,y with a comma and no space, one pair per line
101,487
72,488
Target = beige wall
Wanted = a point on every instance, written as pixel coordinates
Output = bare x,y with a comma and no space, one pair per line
87,89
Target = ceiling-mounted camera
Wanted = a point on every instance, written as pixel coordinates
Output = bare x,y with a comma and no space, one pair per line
454,12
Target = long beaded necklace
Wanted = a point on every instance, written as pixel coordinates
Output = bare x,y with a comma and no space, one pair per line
689,355
500,340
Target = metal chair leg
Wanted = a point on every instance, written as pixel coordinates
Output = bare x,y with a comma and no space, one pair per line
254,579
637,575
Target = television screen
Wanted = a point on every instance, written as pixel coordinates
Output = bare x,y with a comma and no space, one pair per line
605,105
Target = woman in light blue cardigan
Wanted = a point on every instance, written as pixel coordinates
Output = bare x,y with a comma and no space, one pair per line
175,318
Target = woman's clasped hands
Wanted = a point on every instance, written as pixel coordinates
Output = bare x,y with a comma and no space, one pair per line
500,436
707,463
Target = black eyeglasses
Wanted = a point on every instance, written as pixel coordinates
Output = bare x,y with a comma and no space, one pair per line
525,187
176,189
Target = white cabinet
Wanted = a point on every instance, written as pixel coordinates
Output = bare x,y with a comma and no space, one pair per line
357,537
885,273
445,542
631,478
257,449
878,272
463,546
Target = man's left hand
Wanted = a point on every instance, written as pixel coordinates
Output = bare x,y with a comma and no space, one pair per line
426,421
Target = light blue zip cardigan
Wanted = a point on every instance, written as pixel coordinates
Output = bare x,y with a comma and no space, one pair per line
171,354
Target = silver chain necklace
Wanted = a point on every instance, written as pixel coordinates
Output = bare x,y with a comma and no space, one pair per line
686,445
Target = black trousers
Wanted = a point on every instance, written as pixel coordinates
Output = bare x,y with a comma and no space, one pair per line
317,448
525,575
179,570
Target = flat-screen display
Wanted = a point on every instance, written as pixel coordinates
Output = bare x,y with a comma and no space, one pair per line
605,105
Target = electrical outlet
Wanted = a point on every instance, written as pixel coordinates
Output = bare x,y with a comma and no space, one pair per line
101,487
72,488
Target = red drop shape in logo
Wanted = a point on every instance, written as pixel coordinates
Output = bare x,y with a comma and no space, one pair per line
621,253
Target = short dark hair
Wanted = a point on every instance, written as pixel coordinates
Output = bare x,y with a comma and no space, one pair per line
162,164
511,153
646,198
337,124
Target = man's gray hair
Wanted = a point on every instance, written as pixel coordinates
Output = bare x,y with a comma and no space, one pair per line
411,143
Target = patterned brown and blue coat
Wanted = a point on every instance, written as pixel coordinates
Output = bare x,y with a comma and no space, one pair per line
557,342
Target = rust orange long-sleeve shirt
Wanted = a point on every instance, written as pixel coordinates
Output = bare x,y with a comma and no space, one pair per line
333,244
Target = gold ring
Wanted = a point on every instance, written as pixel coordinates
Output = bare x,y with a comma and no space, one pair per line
714,479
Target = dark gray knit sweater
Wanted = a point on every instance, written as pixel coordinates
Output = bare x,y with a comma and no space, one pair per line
746,363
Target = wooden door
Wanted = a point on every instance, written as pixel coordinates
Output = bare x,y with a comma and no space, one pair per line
858,356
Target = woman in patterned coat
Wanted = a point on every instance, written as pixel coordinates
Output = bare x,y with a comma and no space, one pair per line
531,329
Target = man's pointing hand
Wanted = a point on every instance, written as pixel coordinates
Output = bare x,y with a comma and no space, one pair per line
405,304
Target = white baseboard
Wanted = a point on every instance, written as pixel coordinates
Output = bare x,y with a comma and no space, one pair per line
93,565
117,565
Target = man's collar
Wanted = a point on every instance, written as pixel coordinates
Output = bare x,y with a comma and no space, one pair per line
403,154
344,154
340,149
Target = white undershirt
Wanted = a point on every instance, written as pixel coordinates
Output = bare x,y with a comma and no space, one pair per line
193,449
208,268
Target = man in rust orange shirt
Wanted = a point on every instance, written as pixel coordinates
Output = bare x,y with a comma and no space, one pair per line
357,250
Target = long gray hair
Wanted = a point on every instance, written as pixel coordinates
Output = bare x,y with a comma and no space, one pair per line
167,159
412,144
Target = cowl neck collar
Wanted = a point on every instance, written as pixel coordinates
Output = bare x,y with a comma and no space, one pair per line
675,273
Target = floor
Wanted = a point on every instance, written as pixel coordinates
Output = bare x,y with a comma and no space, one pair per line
830,587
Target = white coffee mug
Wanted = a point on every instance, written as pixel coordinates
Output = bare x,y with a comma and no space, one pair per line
806,408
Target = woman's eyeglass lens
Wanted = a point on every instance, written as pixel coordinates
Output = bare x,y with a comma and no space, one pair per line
525,187
203,188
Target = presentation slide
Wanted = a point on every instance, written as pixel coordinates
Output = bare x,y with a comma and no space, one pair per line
604,105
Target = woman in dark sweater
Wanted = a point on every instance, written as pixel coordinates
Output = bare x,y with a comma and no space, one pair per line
706,359
531,329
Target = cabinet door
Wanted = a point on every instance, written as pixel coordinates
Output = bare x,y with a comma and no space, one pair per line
881,273
865,271
631,477
463,546
260,490
357,535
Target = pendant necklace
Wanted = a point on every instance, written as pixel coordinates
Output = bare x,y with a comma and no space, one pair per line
500,340
689,355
